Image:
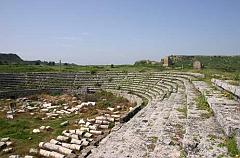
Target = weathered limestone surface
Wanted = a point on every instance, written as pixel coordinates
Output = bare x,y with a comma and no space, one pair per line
203,135
161,130
227,86
147,134
226,111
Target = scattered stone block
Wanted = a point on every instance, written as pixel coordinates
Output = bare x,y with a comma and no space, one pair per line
96,132
53,141
9,116
104,126
92,127
65,123
87,124
63,138
7,150
57,148
76,141
91,120
33,151
3,145
9,143
111,109
14,156
88,135
111,119
36,131
101,118
116,116
5,139
28,156
53,154
81,121
72,146
86,129
84,142
42,127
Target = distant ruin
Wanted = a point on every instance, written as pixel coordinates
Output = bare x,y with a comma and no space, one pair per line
167,61
197,65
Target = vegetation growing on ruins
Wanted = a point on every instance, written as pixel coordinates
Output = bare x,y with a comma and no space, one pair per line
203,105
183,110
228,94
231,144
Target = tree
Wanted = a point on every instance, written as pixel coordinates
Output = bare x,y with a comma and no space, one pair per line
38,62
51,63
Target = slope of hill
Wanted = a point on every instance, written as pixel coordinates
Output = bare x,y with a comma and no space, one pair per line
226,63
10,59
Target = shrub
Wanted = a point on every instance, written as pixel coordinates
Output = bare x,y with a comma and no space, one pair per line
93,71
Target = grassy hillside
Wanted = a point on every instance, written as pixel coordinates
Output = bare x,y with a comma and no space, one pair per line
10,59
75,68
224,63
225,67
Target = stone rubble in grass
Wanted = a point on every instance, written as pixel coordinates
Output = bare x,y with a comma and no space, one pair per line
36,131
65,123
7,150
50,110
88,133
33,151
14,156
5,145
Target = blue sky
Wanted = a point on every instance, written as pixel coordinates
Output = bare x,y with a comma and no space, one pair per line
118,31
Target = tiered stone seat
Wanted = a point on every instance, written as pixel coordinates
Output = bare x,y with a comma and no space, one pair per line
171,125
203,136
225,110
234,89
159,131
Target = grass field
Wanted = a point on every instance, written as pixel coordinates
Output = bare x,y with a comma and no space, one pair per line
76,68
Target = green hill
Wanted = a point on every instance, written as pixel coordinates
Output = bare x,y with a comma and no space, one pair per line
226,63
10,59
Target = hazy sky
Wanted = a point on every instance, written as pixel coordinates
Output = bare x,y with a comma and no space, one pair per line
118,31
